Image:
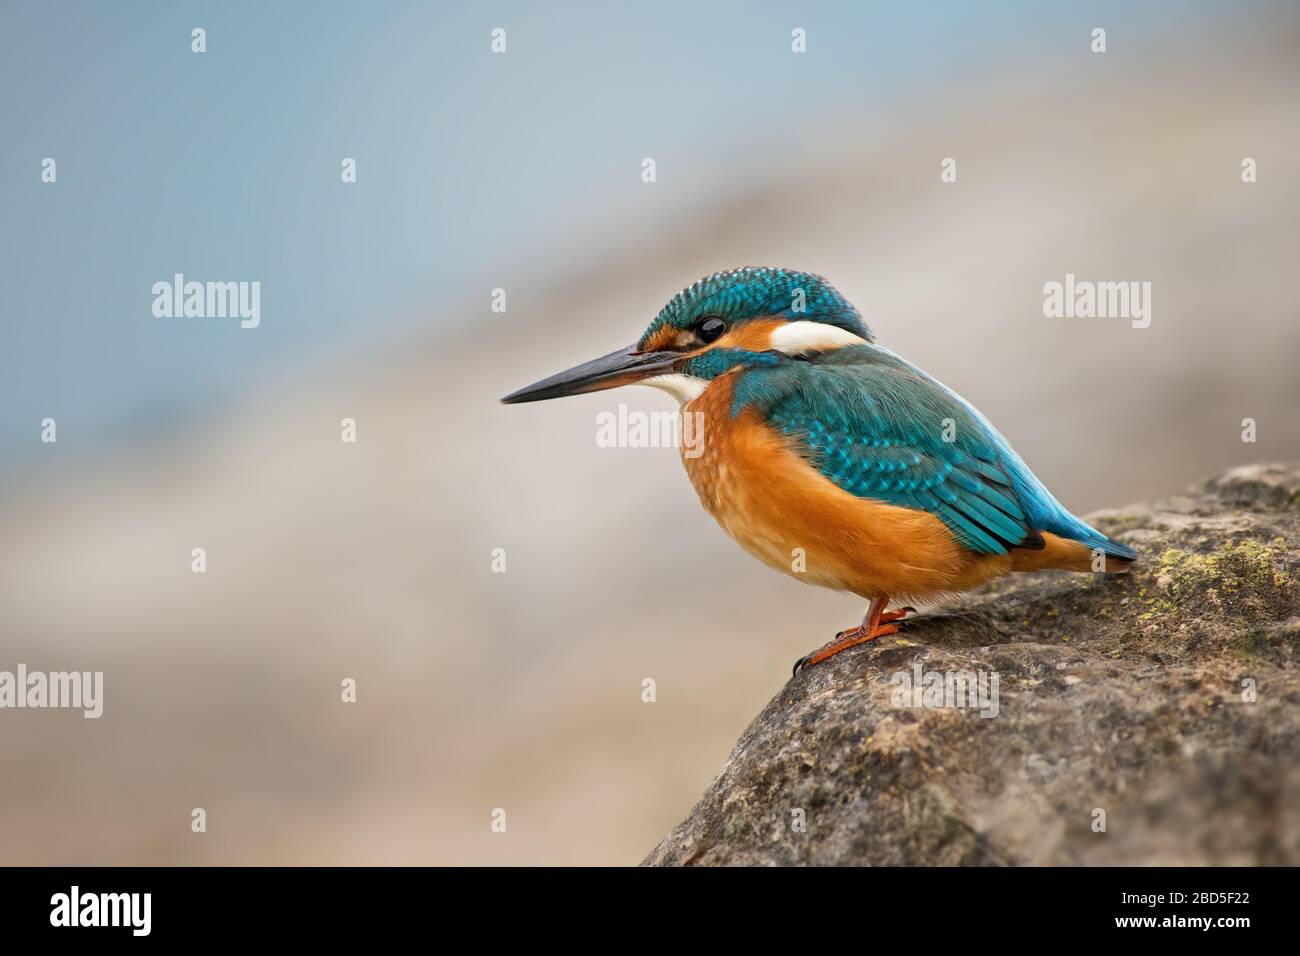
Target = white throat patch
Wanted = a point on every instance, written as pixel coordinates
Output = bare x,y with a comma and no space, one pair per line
684,388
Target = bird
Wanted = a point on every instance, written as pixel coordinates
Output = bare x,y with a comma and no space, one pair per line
832,459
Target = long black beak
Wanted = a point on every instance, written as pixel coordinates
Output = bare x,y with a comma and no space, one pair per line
622,367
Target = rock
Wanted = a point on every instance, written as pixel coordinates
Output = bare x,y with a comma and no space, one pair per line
1164,704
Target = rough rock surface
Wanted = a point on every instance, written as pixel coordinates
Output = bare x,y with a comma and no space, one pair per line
1128,695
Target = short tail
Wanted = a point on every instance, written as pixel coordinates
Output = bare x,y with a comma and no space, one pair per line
1068,554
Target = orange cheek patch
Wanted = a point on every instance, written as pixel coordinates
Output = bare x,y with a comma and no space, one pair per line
753,336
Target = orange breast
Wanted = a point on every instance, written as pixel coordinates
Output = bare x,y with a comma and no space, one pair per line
783,511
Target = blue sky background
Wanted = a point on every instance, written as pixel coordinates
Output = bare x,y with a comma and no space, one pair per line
475,170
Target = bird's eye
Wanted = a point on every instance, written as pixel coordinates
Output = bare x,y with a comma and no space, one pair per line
711,329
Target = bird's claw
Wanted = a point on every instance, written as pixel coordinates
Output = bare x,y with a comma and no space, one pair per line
889,624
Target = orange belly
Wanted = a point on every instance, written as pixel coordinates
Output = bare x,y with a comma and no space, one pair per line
791,517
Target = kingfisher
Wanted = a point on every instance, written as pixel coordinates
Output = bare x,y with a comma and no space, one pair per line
833,460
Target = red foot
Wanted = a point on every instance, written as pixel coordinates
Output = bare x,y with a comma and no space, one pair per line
843,641
888,617
877,623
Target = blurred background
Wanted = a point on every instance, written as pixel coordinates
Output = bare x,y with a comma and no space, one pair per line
522,690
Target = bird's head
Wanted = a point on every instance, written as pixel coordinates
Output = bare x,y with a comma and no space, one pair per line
725,316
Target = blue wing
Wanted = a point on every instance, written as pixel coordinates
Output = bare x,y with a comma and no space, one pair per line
882,429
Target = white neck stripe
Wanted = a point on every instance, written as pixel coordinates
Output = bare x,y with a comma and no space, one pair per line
800,338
